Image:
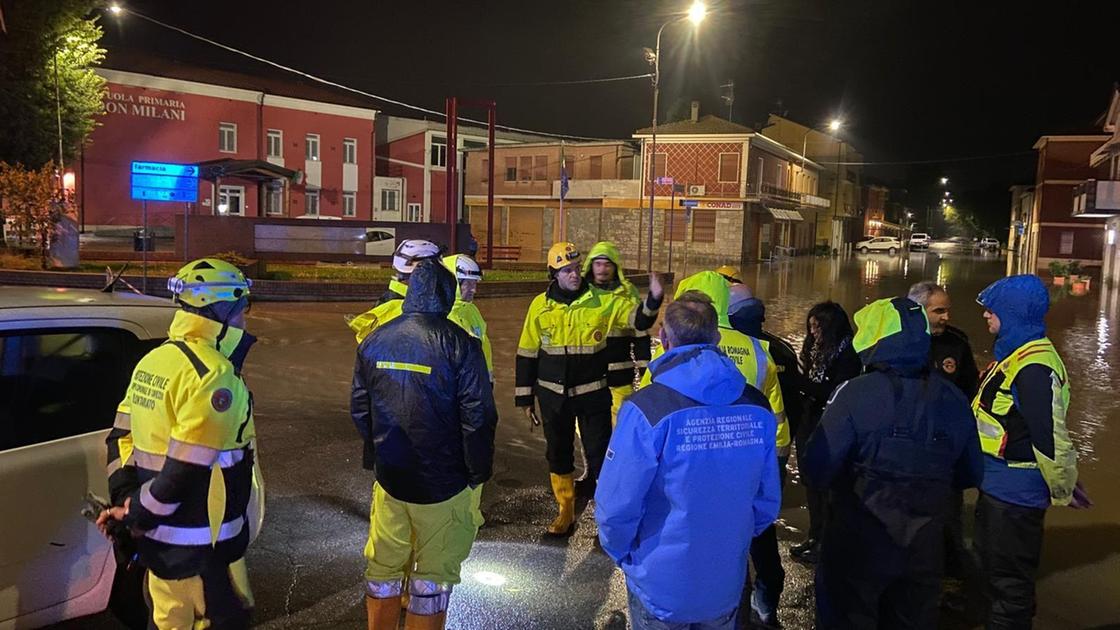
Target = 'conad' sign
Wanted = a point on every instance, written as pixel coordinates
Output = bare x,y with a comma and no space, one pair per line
719,205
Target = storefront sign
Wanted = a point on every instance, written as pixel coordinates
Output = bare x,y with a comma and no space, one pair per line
145,106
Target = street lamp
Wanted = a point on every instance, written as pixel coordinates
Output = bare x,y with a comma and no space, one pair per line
695,15
835,125
944,181
115,9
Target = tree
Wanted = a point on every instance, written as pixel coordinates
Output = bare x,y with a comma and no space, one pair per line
35,202
48,39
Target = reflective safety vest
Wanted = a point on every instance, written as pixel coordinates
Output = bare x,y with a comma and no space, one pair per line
756,365
182,448
469,318
363,325
1004,432
563,347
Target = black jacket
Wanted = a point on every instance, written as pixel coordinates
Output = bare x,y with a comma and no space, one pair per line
422,399
747,318
845,366
951,355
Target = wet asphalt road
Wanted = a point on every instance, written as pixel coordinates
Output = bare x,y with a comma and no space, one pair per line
306,567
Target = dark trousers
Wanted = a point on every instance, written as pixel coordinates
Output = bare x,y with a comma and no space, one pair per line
769,576
559,425
958,564
815,500
1009,539
848,599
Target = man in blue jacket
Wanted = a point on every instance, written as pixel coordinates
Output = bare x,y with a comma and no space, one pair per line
690,478
892,445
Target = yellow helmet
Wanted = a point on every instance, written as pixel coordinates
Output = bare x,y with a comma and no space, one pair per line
730,273
206,281
561,255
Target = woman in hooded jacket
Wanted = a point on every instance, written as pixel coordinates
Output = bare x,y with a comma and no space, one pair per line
827,360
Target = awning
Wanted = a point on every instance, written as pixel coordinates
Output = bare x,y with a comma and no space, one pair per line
782,214
254,170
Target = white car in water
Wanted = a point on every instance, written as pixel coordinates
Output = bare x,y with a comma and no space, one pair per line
989,243
889,244
66,358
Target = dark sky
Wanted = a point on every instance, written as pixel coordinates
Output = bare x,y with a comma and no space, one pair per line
913,79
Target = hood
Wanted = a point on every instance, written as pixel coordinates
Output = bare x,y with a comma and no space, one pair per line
702,372
608,250
1021,303
232,342
747,316
893,333
431,289
712,285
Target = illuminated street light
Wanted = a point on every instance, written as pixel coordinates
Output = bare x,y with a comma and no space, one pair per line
946,193
944,181
835,125
697,12
115,9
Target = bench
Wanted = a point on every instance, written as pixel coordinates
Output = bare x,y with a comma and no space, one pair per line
505,253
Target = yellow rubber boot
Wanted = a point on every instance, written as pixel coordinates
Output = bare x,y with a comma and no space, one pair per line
383,613
412,621
564,488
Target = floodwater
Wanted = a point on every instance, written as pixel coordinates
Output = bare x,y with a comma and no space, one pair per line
306,567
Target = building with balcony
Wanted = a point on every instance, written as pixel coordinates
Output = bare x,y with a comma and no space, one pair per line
1052,231
1100,198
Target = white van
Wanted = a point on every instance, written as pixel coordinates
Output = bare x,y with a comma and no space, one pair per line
919,240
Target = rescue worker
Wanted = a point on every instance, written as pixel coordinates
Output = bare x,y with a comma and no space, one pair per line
562,365
1029,460
746,314
748,353
388,306
891,446
950,352
182,456
421,395
691,477
628,349
464,313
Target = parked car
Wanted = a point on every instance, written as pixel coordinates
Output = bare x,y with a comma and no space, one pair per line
919,240
889,244
66,358
989,243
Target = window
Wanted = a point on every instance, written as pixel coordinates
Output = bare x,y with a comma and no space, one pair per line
525,169
675,228
312,201
438,155
274,202
349,151
511,169
595,166
1066,246
729,168
704,226
311,147
660,164
390,200
415,213
275,143
349,204
61,383
485,170
227,137
540,168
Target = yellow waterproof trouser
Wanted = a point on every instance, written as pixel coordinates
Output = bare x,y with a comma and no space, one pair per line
218,598
435,538
618,396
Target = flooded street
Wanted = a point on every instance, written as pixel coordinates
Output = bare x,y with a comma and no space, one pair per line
307,566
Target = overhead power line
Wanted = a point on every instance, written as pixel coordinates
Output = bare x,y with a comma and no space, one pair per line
968,158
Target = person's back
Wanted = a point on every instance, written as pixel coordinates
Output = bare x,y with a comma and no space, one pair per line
691,477
891,446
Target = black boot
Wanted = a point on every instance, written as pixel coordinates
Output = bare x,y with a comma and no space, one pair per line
808,551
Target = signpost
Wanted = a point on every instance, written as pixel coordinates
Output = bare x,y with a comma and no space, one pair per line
160,181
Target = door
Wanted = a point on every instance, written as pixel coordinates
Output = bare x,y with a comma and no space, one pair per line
60,389
232,199
765,240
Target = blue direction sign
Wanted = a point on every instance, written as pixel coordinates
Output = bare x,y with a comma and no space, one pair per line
159,181
689,203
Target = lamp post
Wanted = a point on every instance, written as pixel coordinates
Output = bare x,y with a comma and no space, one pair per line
695,15
833,127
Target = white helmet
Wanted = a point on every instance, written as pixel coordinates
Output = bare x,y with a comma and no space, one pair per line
464,267
411,251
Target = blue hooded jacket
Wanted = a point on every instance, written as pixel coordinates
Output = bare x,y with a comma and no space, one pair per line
690,478
1021,303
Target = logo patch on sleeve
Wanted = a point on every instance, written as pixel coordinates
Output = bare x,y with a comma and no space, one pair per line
221,400
610,454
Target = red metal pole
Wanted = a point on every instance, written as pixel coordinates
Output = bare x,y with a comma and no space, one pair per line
492,119
451,171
